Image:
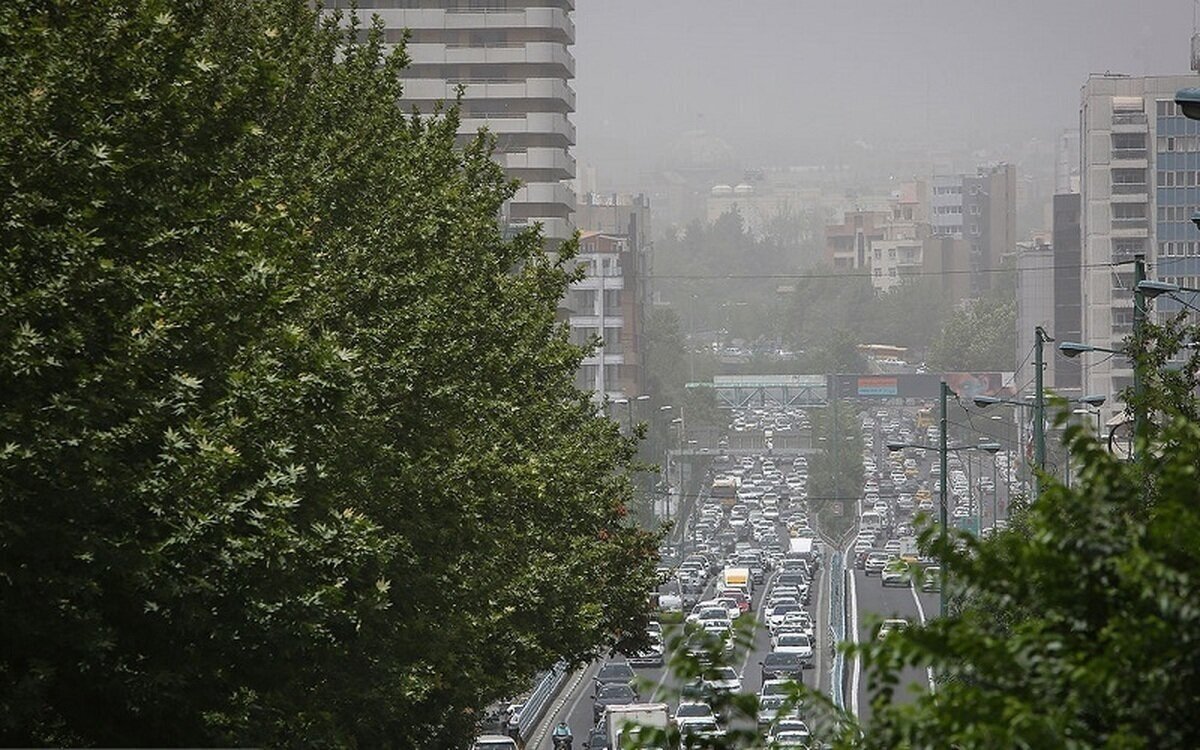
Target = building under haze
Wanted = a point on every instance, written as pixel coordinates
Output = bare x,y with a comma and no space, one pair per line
982,209
513,58
615,248
1140,184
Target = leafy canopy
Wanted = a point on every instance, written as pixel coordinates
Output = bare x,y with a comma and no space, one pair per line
290,449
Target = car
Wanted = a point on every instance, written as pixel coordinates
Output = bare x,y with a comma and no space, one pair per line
932,579
707,728
597,739
895,574
692,712
723,680
777,615
795,643
494,742
875,562
652,656
769,708
891,625
775,687
612,694
782,666
615,673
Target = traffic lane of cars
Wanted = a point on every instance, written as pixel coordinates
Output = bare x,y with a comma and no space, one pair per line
875,603
578,704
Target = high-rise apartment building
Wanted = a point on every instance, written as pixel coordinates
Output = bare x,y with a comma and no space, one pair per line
1140,183
513,59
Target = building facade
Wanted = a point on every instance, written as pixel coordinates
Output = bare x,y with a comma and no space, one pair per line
513,59
1140,183
982,209
1035,308
606,307
1067,310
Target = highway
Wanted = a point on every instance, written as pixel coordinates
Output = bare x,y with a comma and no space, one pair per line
574,704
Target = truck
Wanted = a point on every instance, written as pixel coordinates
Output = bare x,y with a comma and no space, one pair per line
739,577
801,545
624,722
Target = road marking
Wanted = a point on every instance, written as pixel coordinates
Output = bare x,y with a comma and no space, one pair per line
556,713
854,679
921,613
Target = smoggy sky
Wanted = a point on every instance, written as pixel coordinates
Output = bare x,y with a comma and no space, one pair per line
790,81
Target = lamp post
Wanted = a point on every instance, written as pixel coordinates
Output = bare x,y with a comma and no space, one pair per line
1039,426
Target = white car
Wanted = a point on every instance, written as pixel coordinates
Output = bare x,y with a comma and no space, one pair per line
724,680
694,713
795,643
780,614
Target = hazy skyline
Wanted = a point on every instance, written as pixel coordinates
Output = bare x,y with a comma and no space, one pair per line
787,81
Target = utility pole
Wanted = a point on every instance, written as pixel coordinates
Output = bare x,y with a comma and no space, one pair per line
1139,320
1039,404
943,449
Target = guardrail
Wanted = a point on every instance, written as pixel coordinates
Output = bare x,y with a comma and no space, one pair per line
540,699
837,623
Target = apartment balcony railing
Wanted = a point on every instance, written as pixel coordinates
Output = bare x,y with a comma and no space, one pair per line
1129,188
1128,154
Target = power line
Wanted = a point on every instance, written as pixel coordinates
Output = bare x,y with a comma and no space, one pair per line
806,276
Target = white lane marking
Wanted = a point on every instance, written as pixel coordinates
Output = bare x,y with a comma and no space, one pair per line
762,597
556,714
912,587
856,675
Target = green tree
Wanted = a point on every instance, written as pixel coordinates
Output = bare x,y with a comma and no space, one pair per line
290,448
981,336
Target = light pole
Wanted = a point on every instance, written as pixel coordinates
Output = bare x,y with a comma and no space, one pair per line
1039,414
1040,339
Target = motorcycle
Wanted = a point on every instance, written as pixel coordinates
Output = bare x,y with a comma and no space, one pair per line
562,743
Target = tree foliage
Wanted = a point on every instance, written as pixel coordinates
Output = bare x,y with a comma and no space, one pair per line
290,449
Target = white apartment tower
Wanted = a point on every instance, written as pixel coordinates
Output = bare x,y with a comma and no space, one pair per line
513,58
1140,184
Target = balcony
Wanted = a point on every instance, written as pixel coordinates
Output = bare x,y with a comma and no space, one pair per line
532,123
545,192
593,321
1131,157
610,283
556,21
533,53
1140,222
547,160
553,227
1129,188
432,90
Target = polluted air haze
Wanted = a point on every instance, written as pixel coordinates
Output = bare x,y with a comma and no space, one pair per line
799,80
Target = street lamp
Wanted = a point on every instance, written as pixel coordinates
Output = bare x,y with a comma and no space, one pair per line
1188,101
1039,425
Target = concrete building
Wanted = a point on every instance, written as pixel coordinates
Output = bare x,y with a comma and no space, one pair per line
1140,183
848,245
1035,307
514,60
1067,310
608,304
982,209
616,229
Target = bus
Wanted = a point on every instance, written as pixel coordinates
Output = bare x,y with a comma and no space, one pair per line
925,418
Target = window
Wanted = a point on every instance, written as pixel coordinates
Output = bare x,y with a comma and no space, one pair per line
975,229
975,209
891,253
892,272
1129,210
1130,141
877,272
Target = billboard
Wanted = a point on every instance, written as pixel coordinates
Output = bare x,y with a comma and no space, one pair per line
919,385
